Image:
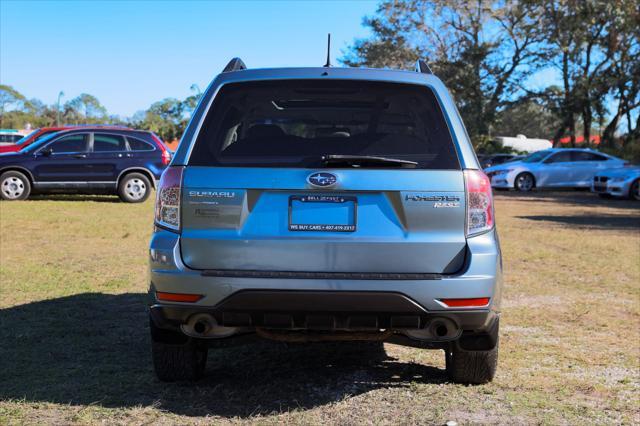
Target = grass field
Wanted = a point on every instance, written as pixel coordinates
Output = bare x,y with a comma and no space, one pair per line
74,344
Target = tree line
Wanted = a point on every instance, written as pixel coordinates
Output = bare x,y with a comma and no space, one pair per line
168,117
487,52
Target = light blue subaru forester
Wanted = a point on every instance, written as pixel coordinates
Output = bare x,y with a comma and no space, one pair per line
325,204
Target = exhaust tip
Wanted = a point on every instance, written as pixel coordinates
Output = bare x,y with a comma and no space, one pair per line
204,325
200,327
441,330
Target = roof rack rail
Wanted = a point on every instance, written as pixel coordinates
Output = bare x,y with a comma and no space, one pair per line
423,67
235,64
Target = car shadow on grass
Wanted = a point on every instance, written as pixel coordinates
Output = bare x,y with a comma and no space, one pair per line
567,198
93,349
75,197
595,221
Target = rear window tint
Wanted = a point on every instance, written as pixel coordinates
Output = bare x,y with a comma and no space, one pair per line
138,145
293,123
108,143
587,156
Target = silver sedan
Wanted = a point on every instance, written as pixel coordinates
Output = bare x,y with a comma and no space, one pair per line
552,168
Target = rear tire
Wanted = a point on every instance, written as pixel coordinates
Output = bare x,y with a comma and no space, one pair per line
524,182
471,367
134,188
14,186
175,358
634,190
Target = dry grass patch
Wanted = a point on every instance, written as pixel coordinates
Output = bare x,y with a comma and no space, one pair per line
75,346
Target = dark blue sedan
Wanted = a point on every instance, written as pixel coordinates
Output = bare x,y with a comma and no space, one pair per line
88,160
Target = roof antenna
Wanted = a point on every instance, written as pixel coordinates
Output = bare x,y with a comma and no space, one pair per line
328,64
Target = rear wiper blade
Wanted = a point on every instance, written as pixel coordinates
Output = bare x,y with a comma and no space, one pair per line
366,160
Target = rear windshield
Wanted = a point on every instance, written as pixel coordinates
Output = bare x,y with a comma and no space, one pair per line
293,123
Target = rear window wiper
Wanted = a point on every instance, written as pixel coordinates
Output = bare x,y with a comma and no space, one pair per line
365,161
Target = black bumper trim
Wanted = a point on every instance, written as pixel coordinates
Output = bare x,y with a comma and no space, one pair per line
229,273
318,301
289,309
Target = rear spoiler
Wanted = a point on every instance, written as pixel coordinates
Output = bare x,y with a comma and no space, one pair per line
423,67
236,64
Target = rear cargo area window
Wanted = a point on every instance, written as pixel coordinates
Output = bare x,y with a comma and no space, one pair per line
293,123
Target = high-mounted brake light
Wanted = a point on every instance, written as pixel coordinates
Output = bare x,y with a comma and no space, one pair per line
479,202
168,199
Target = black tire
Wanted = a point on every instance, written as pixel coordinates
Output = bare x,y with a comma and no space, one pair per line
14,186
471,367
520,184
176,358
634,190
134,188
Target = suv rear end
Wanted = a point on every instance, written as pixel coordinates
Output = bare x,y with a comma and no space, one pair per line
324,204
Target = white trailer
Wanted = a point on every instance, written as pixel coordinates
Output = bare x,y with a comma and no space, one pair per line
522,143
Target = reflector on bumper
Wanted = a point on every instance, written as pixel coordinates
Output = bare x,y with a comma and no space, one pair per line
178,297
477,302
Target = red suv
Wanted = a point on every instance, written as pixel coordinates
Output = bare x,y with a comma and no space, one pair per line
30,138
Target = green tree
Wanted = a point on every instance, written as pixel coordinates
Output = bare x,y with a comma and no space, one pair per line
10,98
595,48
166,118
84,109
529,117
482,50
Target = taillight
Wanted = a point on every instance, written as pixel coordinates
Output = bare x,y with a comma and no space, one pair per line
166,157
168,199
479,202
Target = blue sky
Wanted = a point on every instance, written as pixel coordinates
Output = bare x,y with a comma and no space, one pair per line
131,54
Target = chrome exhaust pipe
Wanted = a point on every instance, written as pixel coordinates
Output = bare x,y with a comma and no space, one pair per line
206,326
201,327
439,329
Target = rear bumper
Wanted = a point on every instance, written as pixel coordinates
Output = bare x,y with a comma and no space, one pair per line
320,310
332,301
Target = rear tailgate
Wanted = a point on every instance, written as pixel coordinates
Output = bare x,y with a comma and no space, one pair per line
386,220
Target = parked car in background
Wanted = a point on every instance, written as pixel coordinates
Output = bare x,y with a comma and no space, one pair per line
495,159
40,133
344,207
619,182
9,137
86,160
29,139
552,168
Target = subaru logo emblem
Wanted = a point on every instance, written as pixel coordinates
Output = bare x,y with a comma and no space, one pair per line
322,179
